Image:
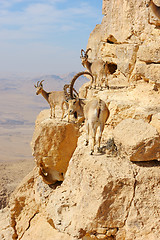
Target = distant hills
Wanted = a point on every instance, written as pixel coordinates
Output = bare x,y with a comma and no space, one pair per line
56,82
21,82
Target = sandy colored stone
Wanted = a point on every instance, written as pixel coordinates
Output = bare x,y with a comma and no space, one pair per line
124,55
94,191
155,122
11,176
23,205
41,229
143,220
6,230
149,51
128,37
128,17
91,194
26,204
137,139
53,144
147,72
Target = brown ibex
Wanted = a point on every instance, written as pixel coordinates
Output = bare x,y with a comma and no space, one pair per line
99,69
53,98
154,7
94,112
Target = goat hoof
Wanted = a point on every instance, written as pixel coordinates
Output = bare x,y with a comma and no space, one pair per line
86,143
99,150
91,153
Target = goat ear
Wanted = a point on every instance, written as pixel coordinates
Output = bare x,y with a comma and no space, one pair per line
35,86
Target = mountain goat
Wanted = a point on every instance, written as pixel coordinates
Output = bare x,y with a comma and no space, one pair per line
54,98
94,112
99,69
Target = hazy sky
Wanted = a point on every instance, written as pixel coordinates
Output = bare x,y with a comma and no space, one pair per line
45,36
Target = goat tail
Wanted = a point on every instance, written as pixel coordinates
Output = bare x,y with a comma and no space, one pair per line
99,108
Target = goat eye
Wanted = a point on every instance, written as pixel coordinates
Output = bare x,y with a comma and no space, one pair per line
74,102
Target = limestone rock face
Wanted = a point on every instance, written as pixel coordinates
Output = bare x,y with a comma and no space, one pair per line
137,139
94,195
53,144
6,230
25,218
23,206
128,37
102,197
142,215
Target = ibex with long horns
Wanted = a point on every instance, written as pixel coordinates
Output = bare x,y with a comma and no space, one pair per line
154,7
54,98
94,112
99,69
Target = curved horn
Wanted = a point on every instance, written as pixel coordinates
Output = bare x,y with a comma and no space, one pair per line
82,52
89,49
37,84
73,81
76,95
66,94
41,83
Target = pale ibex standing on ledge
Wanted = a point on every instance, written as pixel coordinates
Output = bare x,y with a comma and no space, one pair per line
99,69
53,98
94,112
154,7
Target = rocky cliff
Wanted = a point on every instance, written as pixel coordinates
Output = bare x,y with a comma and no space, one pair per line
114,195
128,39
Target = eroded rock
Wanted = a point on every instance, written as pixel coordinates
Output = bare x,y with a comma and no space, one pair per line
137,139
53,144
95,193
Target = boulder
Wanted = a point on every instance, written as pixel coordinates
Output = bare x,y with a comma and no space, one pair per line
53,144
137,139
